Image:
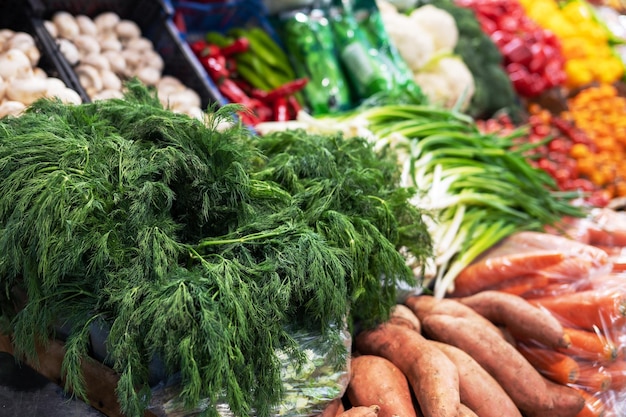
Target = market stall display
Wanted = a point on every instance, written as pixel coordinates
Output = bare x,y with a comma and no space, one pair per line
276,247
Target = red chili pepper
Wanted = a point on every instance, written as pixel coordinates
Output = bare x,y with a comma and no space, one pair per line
294,106
238,46
288,88
259,94
198,46
281,110
233,92
263,111
215,66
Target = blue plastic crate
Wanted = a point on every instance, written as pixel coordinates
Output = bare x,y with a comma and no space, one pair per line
154,20
220,16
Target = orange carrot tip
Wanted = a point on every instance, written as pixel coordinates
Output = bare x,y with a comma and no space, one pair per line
594,404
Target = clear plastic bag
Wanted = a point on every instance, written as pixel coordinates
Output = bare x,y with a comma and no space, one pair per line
308,389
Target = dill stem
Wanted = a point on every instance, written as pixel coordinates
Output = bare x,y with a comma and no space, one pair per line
243,239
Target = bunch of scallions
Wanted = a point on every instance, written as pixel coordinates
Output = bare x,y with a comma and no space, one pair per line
477,188
194,244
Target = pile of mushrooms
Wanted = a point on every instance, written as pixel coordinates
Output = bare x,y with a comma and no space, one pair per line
107,49
22,81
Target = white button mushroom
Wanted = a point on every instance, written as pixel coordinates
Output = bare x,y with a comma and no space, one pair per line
86,44
66,25
117,62
151,58
66,95
97,60
141,44
13,63
110,81
39,73
106,22
107,94
110,42
89,77
3,88
51,28
69,51
127,29
26,90
11,108
148,75
86,25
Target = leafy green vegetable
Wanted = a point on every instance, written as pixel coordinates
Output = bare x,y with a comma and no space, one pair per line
194,244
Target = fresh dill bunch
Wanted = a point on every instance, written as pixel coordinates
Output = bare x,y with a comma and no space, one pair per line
195,245
350,194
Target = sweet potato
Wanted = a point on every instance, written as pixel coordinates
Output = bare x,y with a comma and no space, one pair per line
362,411
568,402
523,319
401,314
479,390
375,380
514,373
425,305
432,376
332,409
465,411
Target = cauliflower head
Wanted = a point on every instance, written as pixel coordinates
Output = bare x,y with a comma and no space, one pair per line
446,80
439,23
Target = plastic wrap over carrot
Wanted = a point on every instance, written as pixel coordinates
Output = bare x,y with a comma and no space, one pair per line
532,256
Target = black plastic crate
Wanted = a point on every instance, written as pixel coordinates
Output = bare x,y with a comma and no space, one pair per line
154,20
15,15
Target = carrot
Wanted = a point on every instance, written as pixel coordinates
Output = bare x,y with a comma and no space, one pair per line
554,365
332,408
362,411
609,228
617,370
590,345
586,309
521,285
493,270
432,376
568,402
551,242
523,319
504,362
375,380
425,305
478,389
594,406
559,287
593,377
401,314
